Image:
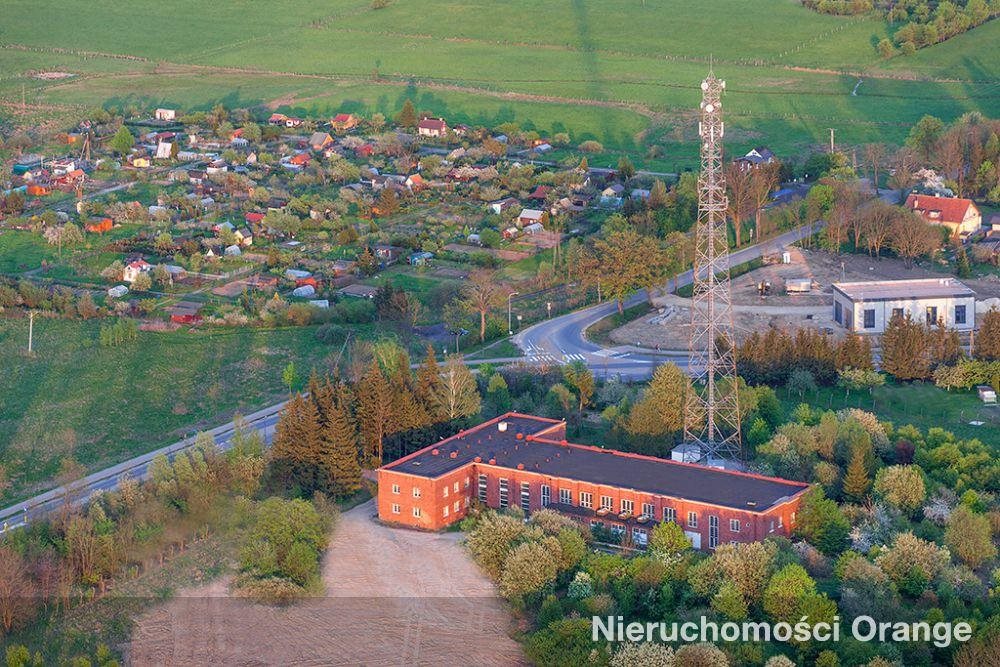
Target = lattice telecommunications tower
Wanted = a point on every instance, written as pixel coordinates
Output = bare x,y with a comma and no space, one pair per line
711,412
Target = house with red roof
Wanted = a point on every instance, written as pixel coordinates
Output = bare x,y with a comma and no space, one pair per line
344,121
253,217
960,216
432,127
134,268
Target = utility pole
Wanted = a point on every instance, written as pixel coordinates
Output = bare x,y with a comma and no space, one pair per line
31,331
832,149
510,329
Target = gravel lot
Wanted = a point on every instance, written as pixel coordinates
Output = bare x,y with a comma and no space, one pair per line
394,597
781,310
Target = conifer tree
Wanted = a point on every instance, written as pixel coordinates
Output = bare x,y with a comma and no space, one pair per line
854,351
429,387
340,451
905,349
856,480
988,337
375,413
407,116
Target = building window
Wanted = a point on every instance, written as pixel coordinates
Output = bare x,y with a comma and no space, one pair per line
546,495
482,488
445,492
395,489
734,525
959,314
466,482
444,511
466,502
525,496
669,514
932,317
713,532
869,318
627,506
416,492
606,502
897,312
455,487
395,508
565,496
456,507
781,522
838,312
416,512
586,499
504,494
692,520
648,510
771,529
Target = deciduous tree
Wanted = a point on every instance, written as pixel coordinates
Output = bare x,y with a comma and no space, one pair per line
481,294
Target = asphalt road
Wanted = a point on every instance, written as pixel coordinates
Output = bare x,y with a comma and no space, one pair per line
22,513
561,339
556,341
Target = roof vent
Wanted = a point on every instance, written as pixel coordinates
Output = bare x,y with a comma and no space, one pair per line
502,426
435,452
520,466
478,459
751,503
520,436
493,462
454,455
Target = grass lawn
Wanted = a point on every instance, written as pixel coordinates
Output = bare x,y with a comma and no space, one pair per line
616,71
24,251
922,405
103,404
498,350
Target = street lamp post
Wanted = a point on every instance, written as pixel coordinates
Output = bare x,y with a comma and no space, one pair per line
510,329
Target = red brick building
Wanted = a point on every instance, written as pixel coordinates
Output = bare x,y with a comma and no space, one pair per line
525,461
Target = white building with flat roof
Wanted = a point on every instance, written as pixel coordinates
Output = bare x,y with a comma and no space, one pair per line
867,307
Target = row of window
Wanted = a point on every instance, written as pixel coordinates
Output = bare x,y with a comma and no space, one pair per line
930,313
586,500
417,492
445,511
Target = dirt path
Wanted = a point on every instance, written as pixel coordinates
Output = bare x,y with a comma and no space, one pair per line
394,597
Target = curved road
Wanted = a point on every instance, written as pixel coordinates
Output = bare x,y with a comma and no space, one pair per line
561,339
556,341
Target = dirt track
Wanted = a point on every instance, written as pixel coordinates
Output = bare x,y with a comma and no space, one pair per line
394,597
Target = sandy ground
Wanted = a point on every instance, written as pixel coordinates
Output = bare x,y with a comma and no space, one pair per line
394,597
787,311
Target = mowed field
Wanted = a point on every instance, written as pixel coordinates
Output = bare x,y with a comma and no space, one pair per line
99,405
623,72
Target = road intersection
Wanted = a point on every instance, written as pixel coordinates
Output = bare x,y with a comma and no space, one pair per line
557,341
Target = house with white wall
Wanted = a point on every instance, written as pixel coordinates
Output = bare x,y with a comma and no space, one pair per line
866,307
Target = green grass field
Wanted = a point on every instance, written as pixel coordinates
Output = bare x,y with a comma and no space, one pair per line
619,71
922,405
99,404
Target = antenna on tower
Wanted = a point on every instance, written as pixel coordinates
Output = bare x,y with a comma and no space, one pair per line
711,410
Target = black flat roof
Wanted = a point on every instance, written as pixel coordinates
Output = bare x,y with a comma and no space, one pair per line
540,452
